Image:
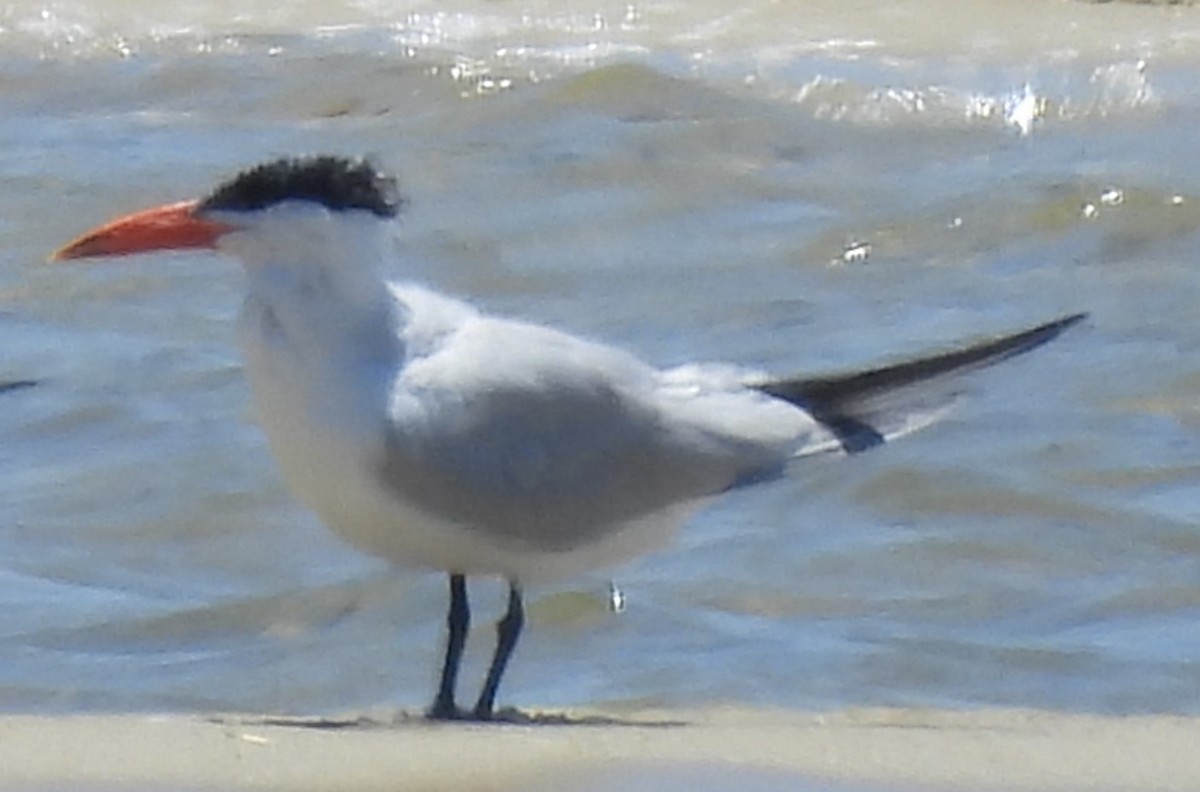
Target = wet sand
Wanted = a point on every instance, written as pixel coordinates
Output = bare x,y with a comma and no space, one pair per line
870,750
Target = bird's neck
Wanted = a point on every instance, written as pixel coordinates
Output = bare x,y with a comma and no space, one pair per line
317,291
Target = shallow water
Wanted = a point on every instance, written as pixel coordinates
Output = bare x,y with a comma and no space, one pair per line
680,179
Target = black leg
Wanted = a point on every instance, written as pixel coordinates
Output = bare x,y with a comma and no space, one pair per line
457,623
508,630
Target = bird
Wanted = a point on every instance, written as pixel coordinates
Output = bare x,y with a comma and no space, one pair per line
437,436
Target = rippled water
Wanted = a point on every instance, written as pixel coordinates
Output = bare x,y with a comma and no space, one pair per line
809,186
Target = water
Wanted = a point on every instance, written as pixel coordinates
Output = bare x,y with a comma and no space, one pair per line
683,179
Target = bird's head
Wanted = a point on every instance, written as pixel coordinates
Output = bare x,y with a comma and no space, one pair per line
329,184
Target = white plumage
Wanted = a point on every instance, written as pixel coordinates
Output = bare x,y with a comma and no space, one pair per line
426,432
436,436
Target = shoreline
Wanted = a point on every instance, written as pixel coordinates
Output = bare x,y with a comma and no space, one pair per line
867,750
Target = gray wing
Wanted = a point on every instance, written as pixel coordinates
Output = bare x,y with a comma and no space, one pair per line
550,441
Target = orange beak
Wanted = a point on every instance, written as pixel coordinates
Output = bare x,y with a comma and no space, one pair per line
171,227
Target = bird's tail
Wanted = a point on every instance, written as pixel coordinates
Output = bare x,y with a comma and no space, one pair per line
866,408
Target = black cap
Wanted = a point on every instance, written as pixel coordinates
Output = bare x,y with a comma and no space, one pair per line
336,182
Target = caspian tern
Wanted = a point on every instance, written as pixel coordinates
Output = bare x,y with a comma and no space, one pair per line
436,436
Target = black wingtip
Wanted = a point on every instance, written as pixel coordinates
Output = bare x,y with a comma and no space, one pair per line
836,401
807,391
1073,319
1051,330
1012,345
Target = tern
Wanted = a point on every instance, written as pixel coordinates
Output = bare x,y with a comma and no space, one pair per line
436,436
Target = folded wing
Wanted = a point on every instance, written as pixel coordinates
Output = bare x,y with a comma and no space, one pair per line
866,408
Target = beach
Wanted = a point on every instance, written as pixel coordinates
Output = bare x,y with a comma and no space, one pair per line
1007,600
870,750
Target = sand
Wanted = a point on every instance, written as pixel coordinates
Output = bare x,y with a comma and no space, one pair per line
719,749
